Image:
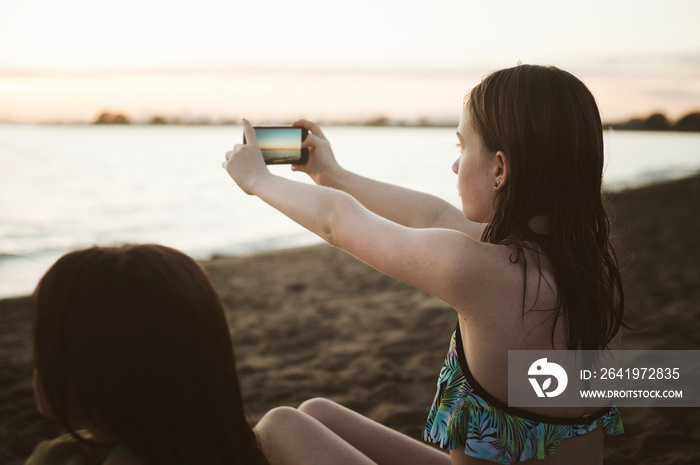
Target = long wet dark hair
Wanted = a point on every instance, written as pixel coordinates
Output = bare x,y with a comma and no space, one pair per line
133,341
547,123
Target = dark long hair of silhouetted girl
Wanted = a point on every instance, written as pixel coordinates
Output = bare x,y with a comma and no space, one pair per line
547,123
133,341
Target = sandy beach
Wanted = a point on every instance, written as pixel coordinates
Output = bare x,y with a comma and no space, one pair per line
316,322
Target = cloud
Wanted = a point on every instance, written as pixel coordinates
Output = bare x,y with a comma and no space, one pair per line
682,65
247,70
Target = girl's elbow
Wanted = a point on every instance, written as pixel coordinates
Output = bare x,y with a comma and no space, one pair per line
331,229
326,233
333,226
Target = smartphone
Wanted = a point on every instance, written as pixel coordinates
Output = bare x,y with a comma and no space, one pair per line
282,144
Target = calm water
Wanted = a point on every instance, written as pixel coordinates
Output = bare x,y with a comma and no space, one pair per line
65,187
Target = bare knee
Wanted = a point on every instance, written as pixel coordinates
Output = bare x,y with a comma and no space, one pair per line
320,408
278,417
273,428
273,423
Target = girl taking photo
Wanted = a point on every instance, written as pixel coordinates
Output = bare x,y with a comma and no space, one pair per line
527,264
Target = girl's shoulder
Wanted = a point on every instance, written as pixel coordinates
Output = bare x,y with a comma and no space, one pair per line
505,281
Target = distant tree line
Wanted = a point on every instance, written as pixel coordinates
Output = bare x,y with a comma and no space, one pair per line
378,121
659,122
119,118
655,122
111,118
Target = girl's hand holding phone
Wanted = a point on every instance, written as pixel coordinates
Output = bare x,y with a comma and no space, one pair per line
321,166
245,163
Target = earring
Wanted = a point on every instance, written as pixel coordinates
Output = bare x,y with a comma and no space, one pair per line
497,183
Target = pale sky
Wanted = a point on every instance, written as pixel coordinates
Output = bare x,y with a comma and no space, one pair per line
71,59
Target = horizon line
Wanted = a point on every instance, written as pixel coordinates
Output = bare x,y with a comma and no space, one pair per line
157,119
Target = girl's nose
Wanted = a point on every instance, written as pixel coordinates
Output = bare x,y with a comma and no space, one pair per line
455,166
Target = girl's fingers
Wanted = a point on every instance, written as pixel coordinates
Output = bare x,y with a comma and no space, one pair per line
311,126
310,141
249,133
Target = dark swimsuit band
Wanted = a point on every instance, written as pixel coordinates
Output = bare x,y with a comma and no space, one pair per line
480,391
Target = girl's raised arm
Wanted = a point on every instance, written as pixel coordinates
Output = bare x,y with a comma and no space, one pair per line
444,262
398,204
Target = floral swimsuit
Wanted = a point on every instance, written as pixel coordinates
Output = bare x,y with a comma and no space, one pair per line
464,415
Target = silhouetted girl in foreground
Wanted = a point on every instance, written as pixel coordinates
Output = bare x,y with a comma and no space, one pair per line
133,357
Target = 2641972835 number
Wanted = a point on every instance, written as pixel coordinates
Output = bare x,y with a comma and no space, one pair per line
640,373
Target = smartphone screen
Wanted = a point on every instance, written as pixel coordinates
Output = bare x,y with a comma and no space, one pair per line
282,144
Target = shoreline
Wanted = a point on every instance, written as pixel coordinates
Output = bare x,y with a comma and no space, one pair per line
313,321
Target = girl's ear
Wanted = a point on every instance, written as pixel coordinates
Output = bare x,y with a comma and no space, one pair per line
501,169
